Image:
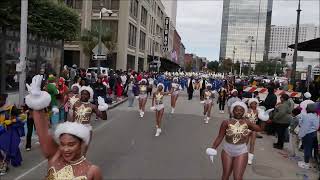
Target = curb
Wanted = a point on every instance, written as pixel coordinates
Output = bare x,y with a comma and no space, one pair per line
118,103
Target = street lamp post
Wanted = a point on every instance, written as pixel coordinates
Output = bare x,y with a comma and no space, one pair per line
102,11
251,40
153,54
234,53
295,54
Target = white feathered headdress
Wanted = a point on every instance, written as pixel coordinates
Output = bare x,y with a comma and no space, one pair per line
89,89
76,129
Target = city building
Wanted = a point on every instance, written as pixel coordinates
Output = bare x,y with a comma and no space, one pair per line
176,47
194,63
171,7
282,36
137,28
241,19
182,56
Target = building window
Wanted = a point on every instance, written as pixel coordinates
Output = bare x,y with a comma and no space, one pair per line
75,4
115,4
142,44
132,35
134,8
144,16
108,4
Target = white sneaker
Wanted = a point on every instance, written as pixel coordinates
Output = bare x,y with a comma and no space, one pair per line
172,110
222,112
250,158
303,165
158,132
141,114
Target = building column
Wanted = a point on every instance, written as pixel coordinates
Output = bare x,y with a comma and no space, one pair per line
136,60
86,15
123,34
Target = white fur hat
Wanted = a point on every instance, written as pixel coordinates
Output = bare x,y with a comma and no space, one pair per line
79,130
307,95
160,84
234,90
143,80
208,84
76,85
87,88
251,100
241,104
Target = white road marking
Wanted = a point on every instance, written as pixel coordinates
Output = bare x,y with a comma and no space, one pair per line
44,161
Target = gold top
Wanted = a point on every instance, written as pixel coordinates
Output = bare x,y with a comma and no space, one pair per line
83,114
175,86
207,94
236,132
251,116
159,98
143,89
66,173
73,100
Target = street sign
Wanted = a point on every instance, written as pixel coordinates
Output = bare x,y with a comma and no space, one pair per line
99,57
303,76
104,50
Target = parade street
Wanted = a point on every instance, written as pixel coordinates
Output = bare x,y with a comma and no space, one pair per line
125,147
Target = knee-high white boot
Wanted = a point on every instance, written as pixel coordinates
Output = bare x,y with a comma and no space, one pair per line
250,158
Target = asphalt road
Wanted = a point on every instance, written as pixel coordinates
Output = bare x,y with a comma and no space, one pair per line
125,148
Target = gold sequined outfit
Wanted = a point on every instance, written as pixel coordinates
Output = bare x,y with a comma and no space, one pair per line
251,116
237,133
66,173
83,114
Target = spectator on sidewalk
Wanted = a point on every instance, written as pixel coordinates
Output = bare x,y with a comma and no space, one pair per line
307,100
30,127
281,119
269,103
12,125
309,124
294,126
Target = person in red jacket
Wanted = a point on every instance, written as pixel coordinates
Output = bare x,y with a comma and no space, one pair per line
119,88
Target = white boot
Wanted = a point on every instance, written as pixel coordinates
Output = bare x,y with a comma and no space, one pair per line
206,121
250,158
172,110
158,132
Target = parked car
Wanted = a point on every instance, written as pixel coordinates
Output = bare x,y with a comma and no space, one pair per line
104,71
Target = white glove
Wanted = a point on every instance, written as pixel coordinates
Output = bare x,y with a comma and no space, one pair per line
152,108
211,153
201,102
37,99
263,115
102,106
137,97
55,110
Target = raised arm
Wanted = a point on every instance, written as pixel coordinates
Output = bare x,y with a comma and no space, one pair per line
221,135
39,100
48,146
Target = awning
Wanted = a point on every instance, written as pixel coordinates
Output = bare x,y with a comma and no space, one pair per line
166,64
311,45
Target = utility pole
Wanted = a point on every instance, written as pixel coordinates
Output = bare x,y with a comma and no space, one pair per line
251,40
295,54
234,53
21,67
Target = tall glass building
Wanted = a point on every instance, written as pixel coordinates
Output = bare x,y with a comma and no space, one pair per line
241,19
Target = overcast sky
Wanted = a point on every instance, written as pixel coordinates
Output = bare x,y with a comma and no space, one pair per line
199,22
